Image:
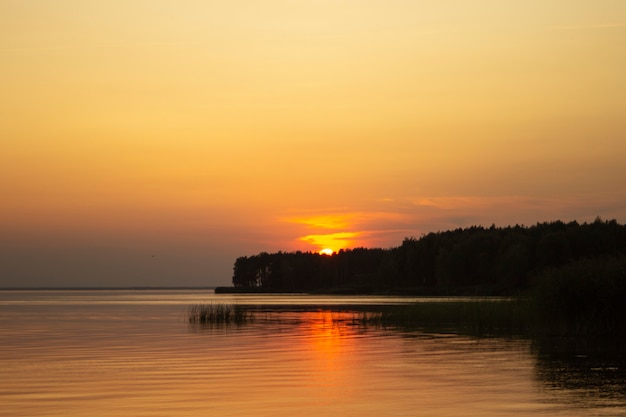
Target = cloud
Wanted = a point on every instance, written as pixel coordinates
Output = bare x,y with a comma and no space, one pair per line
348,229
325,221
392,220
334,241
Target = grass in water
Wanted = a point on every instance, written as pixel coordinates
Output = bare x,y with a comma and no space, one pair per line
583,298
476,317
219,314
580,299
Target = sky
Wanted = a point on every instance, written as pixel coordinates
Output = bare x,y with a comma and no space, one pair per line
152,142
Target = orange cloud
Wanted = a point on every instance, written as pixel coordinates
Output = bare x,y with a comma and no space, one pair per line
347,230
334,241
329,221
340,226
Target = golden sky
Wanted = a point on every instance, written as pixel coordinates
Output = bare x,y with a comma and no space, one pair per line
151,142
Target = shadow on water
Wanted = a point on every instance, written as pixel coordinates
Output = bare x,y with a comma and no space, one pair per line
587,369
584,367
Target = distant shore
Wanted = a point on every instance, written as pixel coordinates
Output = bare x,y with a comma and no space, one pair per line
101,288
420,291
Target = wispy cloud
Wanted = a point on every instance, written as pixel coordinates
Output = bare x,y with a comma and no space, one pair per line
334,241
340,230
325,221
399,218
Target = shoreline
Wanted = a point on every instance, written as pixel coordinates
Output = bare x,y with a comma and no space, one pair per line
419,291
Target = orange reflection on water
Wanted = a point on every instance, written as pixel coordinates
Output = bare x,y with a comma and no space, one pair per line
330,345
329,331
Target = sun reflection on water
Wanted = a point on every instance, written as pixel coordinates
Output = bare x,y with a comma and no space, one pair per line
329,345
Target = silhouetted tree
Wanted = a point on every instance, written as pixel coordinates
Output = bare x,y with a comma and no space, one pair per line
499,259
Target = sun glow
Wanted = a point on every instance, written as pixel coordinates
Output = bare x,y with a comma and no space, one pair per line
336,241
326,251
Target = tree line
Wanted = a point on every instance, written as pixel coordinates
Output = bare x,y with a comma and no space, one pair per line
473,260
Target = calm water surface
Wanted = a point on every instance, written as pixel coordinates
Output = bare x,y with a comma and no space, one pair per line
132,353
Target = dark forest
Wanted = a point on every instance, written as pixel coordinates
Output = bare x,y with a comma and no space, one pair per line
468,261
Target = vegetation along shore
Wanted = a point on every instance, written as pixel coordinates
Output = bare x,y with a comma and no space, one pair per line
557,278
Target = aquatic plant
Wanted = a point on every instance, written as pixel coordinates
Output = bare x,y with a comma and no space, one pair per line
219,314
582,298
484,316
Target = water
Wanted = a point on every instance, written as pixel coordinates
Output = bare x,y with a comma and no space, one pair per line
132,353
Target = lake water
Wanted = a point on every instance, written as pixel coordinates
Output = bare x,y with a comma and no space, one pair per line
133,353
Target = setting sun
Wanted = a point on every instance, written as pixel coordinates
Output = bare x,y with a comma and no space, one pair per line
326,251
216,130
337,241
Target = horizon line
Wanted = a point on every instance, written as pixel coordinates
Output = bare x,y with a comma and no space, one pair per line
48,288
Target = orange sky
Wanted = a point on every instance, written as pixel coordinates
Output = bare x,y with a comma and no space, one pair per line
152,142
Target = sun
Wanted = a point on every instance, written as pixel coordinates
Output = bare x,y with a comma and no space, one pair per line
326,251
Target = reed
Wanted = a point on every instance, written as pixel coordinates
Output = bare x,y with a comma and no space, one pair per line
582,298
219,314
510,316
